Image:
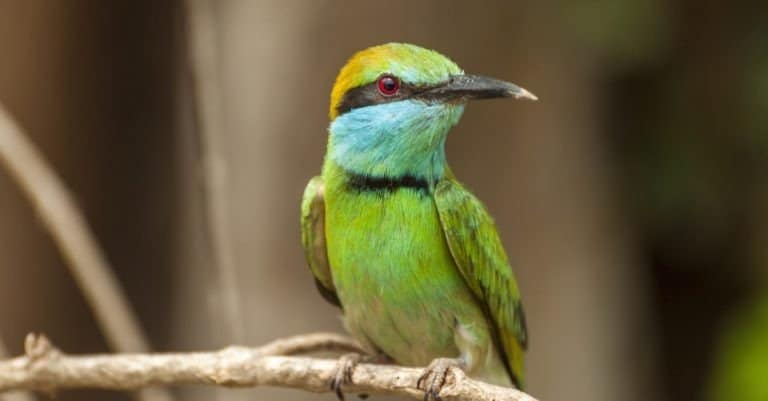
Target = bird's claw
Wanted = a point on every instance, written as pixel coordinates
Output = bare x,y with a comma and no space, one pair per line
346,366
434,376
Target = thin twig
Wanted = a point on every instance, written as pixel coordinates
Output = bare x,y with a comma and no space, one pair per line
203,61
307,343
45,368
77,244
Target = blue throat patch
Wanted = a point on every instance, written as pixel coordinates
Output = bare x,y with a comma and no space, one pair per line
394,140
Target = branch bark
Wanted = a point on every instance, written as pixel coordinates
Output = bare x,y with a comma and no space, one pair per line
15,396
45,368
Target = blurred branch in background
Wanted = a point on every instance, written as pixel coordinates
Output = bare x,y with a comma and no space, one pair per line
210,129
15,396
70,232
66,224
45,368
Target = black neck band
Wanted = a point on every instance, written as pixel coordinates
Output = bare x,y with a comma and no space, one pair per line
362,182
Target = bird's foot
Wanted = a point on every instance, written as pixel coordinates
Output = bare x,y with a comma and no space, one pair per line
345,368
433,378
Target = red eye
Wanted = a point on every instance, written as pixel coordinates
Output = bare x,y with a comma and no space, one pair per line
388,85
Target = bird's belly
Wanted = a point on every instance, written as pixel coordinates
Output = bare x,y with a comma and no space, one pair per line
395,276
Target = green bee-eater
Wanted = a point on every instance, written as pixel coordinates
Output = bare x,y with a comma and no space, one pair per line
411,256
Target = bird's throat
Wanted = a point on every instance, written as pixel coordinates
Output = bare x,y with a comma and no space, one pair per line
393,144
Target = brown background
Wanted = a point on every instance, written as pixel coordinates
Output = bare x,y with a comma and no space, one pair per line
631,198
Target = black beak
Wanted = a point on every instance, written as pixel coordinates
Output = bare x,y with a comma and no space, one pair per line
468,87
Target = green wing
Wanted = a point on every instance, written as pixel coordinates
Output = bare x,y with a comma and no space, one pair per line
480,256
313,239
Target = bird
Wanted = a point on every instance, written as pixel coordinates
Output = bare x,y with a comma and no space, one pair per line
410,256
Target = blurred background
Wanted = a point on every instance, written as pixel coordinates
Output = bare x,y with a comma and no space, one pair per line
632,199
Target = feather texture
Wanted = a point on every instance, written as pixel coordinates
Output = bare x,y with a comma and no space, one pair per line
480,257
313,238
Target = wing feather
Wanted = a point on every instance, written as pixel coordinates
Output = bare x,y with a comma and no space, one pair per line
479,255
313,239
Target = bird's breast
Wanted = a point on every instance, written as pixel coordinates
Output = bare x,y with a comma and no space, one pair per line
393,271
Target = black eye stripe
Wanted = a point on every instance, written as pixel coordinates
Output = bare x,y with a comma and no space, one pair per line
368,95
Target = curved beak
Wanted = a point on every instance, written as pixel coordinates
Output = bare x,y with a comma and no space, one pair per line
469,87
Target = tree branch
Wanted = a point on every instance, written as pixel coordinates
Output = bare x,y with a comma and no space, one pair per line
45,368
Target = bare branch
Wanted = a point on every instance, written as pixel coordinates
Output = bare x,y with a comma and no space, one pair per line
77,244
45,368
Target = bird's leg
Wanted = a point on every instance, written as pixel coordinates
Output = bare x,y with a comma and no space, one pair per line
346,366
433,378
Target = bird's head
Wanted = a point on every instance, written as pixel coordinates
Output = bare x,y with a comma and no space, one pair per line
392,106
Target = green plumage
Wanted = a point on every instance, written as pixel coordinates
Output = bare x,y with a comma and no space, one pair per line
414,260
420,276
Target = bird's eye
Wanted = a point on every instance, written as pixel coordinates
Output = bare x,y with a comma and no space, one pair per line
388,85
